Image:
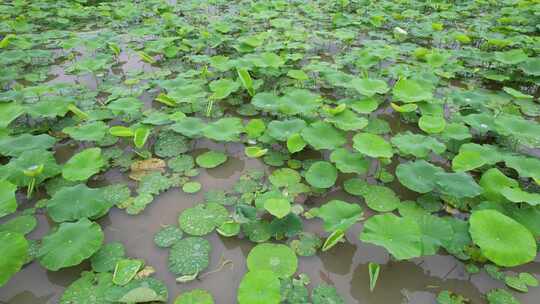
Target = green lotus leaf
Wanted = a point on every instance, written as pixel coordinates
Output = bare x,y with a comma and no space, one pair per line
169,144
125,271
259,287
285,177
189,256
153,183
195,296
16,145
457,184
492,231
321,174
490,154
380,198
105,259
363,106
14,170
299,101
92,131
229,229
257,231
168,236
255,151
517,195
70,244
355,186
369,87
203,218
467,161
511,57
418,176
347,120
408,90
323,294
339,215
277,258
138,291
266,101
22,224
191,187
401,236
181,163
222,88
255,128
14,251
513,125
76,202
83,165
126,105
189,126
211,159
517,94
282,130
525,166
457,131
372,145
8,202
9,111
501,296
531,66
225,129
307,244
278,207
90,288
432,123
321,135
349,162
295,143
436,232
493,181
417,145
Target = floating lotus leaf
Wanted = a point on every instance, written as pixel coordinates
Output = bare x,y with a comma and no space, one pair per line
70,244
401,236
321,135
501,296
127,105
467,160
418,175
195,296
181,163
76,202
517,195
22,224
222,88
436,232
259,287
257,231
408,90
285,177
531,66
225,129
347,120
189,126
492,231
9,111
83,165
299,101
168,236
295,143
321,174
107,256
189,256
307,244
364,106
90,288
277,258
493,181
349,162
93,131
380,198
525,166
278,207
15,146
14,250
282,130
339,215
432,123
211,159
417,145
323,294
169,144
511,57
372,145
266,101
153,183
14,170
369,87
457,184
8,202
138,291
203,218
356,186
191,187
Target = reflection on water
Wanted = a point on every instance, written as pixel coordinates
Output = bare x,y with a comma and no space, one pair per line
345,266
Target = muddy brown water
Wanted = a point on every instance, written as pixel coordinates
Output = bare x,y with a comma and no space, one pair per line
345,266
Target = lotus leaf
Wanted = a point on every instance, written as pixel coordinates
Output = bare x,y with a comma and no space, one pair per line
380,198
432,123
189,126
349,162
347,120
372,145
225,129
14,251
259,287
107,256
14,170
153,183
369,87
189,256
323,294
284,177
278,207
8,202
321,174
307,244
203,218
168,236
195,296
417,145
191,187
457,184
211,159
125,271
90,288
22,224
408,90
83,165
278,258
93,131
222,88
138,291
492,231
299,101
181,163
339,215
321,135
70,244
77,202
517,195
501,296
282,130
16,145
295,143
169,144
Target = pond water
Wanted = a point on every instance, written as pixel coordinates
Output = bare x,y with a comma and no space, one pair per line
345,266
